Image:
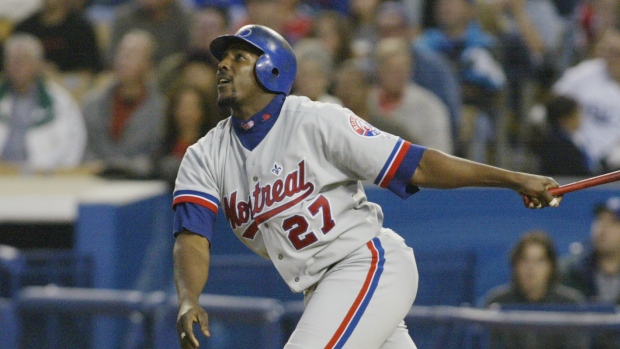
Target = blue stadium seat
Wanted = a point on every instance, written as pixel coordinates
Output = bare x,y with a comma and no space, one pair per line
9,325
12,265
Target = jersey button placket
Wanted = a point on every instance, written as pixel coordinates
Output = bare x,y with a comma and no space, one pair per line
255,179
297,279
280,256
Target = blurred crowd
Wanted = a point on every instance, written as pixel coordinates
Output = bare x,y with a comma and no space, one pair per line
120,88
541,279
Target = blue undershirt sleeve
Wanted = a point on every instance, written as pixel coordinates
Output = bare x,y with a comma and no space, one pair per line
194,218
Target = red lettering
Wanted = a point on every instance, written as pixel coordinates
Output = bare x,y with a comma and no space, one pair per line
258,204
290,186
230,211
265,197
276,191
303,185
243,209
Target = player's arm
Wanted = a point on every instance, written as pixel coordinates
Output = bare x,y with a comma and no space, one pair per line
191,269
443,171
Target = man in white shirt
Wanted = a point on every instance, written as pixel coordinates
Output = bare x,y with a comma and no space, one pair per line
41,126
595,84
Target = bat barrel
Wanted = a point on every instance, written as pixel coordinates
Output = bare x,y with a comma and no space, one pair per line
586,183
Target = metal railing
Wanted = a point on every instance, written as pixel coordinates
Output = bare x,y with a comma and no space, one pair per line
272,320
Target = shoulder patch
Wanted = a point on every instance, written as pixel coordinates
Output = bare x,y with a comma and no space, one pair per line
361,127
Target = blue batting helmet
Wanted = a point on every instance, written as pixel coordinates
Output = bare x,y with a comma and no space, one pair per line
276,68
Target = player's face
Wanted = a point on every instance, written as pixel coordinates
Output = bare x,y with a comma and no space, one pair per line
237,86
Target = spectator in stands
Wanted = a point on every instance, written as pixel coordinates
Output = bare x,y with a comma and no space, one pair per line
595,269
41,126
71,47
17,10
196,66
207,23
166,20
362,14
13,12
126,116
534,50
472,53
190,114
287,17
200,75
593,19
414,9
559,149
314,71
567,8
460,38
335,32
595,84
68,37
329,5
210,3
399,106
352,85
429,69
534,268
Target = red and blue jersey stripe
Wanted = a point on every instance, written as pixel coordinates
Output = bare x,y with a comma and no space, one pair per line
196,197
399,168
355,313
194,211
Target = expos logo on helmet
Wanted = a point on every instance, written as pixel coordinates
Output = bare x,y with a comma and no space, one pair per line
276,68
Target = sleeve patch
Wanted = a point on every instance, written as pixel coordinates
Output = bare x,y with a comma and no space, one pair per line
362,127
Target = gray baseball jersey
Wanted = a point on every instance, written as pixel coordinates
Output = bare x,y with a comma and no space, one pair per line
297,197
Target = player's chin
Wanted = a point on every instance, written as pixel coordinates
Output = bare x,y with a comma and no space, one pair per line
225,101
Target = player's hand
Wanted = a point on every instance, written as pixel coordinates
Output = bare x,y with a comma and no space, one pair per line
189,313
535,191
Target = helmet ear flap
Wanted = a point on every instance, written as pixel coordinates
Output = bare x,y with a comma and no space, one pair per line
266,72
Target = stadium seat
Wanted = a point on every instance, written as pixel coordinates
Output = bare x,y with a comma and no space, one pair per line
12,264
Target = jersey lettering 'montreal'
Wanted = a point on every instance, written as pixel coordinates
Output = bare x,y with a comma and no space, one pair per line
262,203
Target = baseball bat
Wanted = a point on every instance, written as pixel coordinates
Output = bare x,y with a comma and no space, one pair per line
582,184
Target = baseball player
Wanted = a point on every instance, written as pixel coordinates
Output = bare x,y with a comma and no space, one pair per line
288,174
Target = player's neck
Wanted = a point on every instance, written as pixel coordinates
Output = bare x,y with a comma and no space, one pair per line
246,111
